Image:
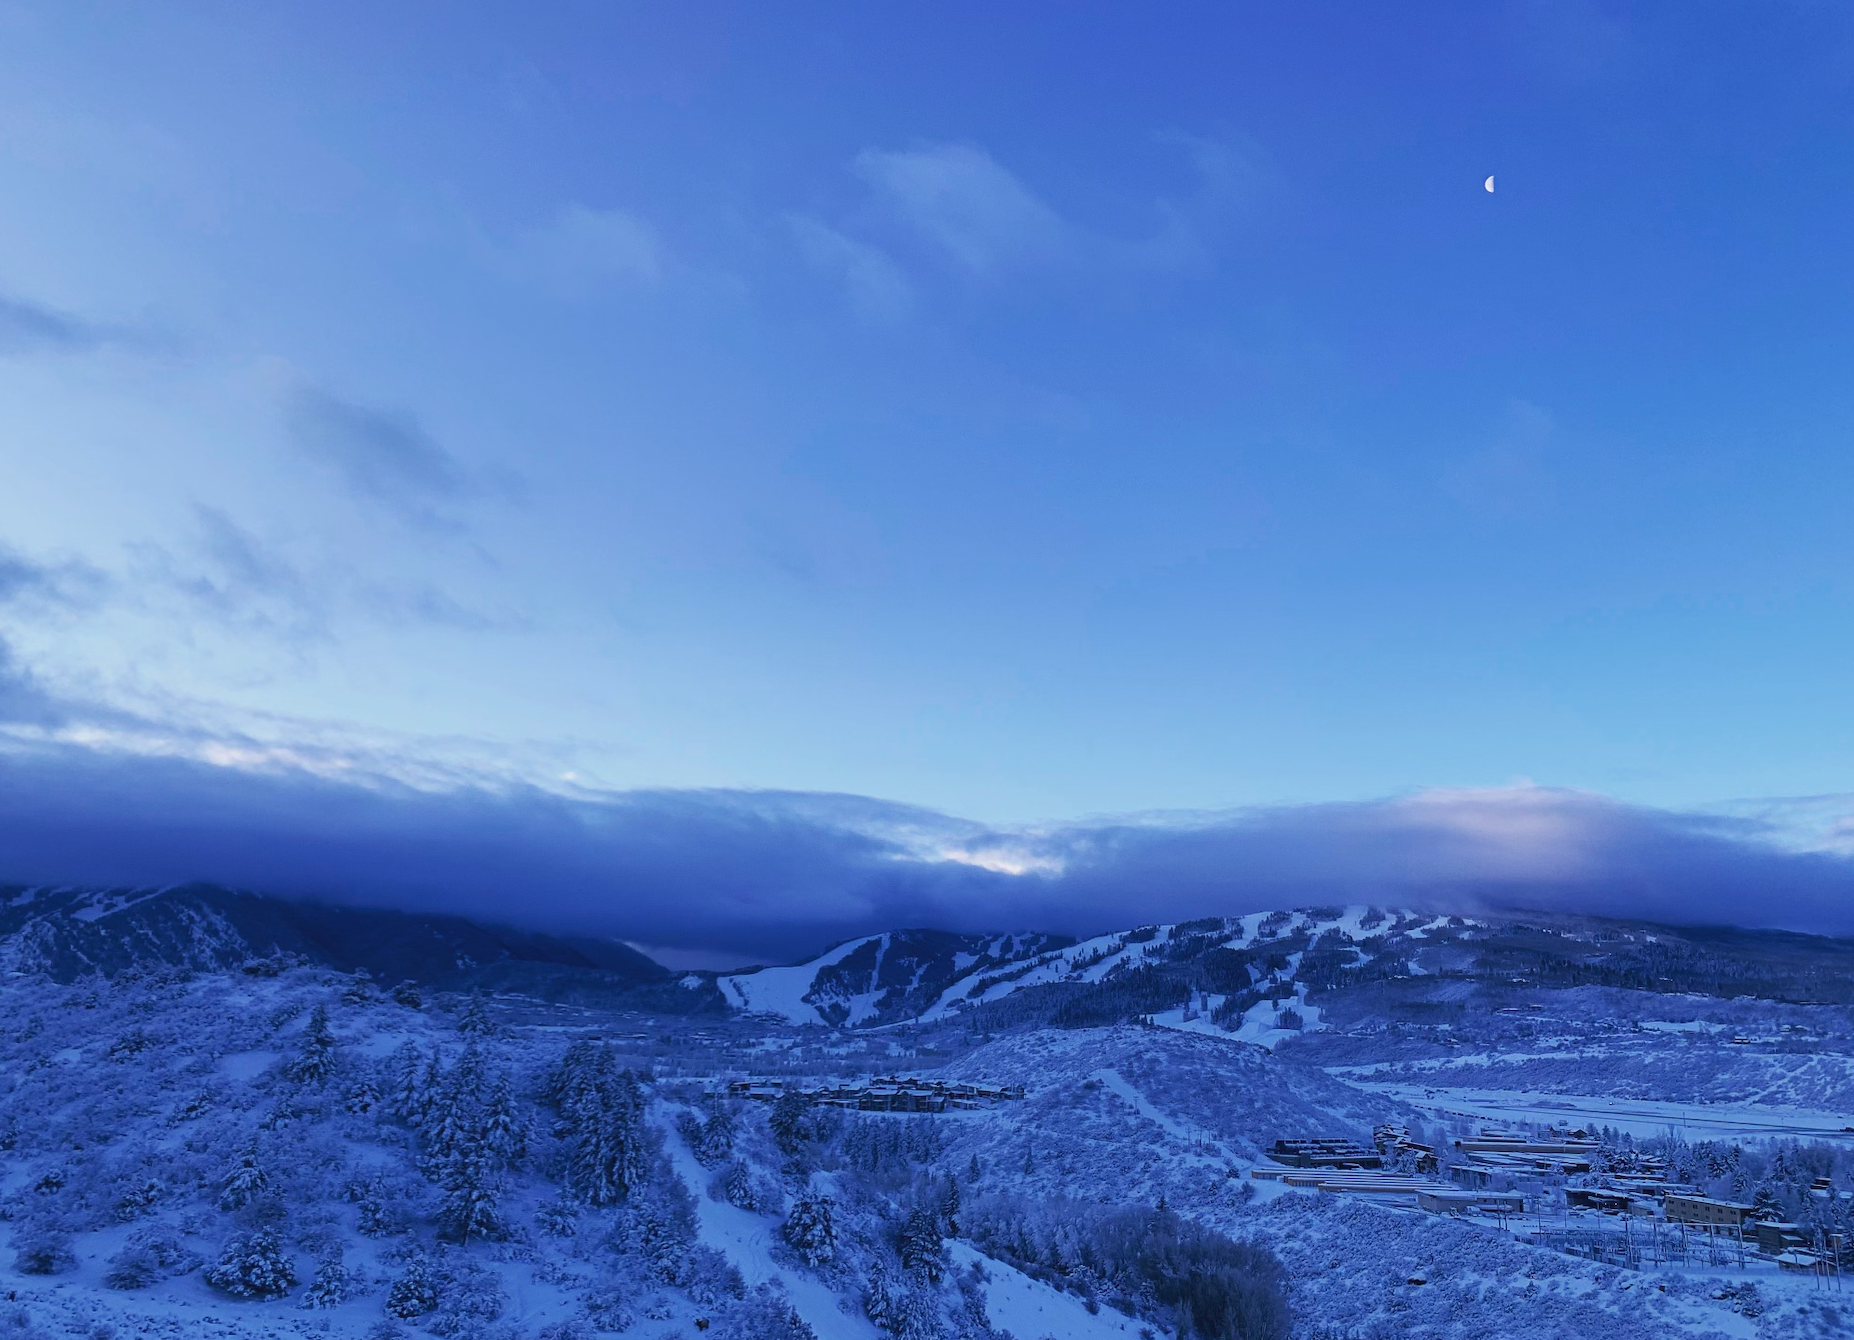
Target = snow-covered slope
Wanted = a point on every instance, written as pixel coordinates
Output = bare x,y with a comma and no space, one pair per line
931,976
880,979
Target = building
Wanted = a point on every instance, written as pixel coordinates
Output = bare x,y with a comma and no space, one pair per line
1774,1239
1599,1198
1460,1202
1323,1152
1707,1212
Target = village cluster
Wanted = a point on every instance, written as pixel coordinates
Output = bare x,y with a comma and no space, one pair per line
1565,1188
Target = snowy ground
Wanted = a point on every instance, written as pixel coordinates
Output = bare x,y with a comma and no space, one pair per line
1639,1117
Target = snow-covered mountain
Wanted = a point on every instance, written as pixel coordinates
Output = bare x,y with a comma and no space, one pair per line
882,979
67,933
1237,975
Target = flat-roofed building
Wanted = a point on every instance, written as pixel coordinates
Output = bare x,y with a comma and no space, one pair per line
1706,1211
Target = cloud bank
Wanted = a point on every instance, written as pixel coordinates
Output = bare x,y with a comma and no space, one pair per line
777,875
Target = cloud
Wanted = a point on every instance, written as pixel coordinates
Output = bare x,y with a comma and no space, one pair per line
28,327
964,202
776,876
583,252
380,456
871,280
26,583
23,700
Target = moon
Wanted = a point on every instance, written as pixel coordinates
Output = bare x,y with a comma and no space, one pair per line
1489,185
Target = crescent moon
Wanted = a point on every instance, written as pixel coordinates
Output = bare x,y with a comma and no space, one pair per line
1489,185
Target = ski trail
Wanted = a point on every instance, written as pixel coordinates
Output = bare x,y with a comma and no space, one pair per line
746,1240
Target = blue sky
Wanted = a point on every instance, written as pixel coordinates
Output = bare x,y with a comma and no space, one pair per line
1022,412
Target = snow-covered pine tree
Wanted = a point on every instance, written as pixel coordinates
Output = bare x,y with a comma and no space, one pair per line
414,1293
949,1208
331,1286
787,1122
737,1187
475,1020
921,1247
605,1126
811,1228
253,1266
244,1183
406,1093
317,1060
716,1145
472,1197
505,1134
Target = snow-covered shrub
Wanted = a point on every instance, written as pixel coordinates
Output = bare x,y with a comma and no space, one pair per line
469,1298
43,1253
253,1266
558,1218
765,1314
151,1254
415,1292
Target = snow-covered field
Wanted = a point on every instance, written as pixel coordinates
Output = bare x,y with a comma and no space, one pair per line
1638,1117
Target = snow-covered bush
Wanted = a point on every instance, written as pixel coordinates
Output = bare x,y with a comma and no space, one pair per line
43,1253
253,1266
415,1292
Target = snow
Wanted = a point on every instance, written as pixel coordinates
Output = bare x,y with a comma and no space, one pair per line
1031,1310
746,1240
1639,1117
782,991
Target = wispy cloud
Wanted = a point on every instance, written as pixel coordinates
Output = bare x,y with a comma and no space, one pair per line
583,252
378,455
31,585
30,327
962,200
871,280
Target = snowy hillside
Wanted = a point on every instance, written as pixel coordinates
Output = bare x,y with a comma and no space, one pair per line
199,1142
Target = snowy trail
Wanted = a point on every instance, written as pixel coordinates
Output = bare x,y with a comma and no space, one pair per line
1031,1310
1179,1130
746,1240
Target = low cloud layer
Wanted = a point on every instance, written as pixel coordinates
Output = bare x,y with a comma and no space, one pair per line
776,876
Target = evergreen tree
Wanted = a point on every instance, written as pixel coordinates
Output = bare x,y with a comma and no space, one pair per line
475,1021
603,1120
922,1252
737,1187
811,1228
244,1183
332,1286
787,1122
253,1266
716,1145
406,1098
470,1208
949,1208
505,1135
414,1293
317,1061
